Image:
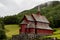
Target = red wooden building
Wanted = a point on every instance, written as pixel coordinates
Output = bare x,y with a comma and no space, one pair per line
35,24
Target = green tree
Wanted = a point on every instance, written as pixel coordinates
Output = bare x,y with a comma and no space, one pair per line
11,19
2,31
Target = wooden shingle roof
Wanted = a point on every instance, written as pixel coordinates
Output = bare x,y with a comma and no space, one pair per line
40,18
44,27
37,17
39,26
23,22
29,17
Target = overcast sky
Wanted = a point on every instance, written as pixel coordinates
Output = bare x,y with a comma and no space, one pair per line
12,7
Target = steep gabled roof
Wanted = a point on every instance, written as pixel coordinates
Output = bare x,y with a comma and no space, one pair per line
44,27
40,18
32,25
23,22
29,17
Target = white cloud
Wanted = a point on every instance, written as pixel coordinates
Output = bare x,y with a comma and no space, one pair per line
1,5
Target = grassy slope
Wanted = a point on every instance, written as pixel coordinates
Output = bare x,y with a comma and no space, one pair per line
11,30
56,33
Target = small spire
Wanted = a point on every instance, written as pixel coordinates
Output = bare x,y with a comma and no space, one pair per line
39,8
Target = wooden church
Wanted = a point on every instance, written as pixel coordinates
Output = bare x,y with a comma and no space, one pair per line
35,24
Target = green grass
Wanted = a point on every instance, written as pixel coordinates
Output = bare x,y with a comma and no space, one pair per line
56,33
11,30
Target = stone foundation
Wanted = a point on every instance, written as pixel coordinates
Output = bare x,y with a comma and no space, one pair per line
28,37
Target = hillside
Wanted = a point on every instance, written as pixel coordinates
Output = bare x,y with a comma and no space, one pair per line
52,12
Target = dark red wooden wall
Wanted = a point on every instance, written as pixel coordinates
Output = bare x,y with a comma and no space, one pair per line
44,31
23,27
